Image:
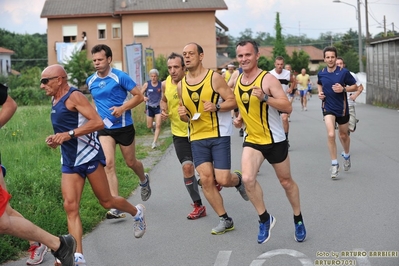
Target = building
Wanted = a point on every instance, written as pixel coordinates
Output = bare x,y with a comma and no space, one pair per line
164,25
5,61
315,54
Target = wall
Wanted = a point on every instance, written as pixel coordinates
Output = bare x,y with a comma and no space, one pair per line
5,59
171,32
168,32
383,73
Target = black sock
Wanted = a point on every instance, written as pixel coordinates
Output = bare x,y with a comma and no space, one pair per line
224,216
298,218
198,202
264,217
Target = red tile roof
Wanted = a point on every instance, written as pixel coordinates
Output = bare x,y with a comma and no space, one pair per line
314,53
6,51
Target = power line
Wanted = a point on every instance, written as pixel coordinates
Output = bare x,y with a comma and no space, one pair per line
30,59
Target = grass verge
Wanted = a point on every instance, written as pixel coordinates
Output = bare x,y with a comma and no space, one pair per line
34,175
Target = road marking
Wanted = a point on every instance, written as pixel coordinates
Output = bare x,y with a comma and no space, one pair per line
223,258
293,253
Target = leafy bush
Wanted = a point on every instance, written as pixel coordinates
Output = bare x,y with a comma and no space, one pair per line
29,96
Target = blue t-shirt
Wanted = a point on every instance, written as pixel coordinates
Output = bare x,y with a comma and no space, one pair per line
112,91
335,103
80,150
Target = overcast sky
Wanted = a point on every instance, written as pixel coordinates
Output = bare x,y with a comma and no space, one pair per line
298,17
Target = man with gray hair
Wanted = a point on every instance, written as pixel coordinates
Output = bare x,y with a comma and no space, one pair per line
153,91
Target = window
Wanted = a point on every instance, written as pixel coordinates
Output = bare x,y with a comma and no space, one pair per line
116,31
140,29
102,28
69,33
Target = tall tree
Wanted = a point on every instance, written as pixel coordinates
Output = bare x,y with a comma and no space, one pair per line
300,60
279,45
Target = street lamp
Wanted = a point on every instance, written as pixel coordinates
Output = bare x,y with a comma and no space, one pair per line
359,23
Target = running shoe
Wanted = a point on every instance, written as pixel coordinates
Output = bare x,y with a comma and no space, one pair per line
146,189
66,251
115,214
80,260
300,232
334,170
224,226
153,145
264,230
139,225
37,252
198,212
347,162
241,188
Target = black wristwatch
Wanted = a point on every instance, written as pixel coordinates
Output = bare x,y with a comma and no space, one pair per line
265,98
71,133
217,107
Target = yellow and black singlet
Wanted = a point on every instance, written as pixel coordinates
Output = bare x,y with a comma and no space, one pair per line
178,127
209,124
263,122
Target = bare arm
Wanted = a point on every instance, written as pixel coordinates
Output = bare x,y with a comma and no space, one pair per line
293,84
220,86
130,104
164,102
233,79
7,111
277,98
321,93
79,103
181,109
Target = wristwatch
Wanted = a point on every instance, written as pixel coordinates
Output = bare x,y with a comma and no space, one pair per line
71,133
217,107
265,98
344,90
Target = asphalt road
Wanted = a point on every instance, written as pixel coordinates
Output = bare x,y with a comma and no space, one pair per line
350,221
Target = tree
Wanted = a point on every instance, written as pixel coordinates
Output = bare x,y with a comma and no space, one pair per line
351,59
30,50
246,34
161,66
265,63
299,60
279,45
231,48
79,68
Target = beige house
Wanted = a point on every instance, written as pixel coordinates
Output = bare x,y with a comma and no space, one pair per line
163,25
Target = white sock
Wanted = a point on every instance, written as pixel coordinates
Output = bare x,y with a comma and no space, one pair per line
333,162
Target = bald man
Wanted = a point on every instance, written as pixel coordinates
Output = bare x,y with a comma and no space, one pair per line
13,223
75,123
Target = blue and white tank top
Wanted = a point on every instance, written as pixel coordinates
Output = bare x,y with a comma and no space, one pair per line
80,150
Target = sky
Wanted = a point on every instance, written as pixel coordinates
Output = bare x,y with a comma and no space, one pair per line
297,17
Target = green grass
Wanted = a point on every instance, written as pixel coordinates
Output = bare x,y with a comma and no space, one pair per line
34,175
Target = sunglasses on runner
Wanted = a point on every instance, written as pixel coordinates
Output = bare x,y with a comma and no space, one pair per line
46,80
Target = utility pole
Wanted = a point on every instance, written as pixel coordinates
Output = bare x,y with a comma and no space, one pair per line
385,27
367,22
359,22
